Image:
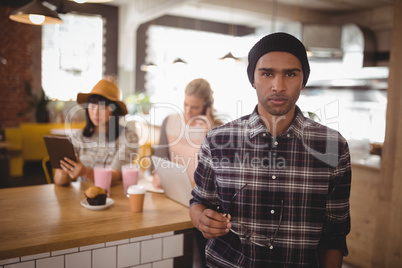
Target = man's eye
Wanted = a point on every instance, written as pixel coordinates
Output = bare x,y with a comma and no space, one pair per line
267,74
290,74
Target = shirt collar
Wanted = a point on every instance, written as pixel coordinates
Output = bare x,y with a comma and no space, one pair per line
256,126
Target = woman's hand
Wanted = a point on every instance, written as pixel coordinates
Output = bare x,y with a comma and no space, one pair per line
203,121
156,183
72,168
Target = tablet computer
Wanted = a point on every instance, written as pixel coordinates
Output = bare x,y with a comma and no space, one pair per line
59,147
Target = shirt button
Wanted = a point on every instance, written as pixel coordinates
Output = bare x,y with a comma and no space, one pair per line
276,143
273,177
271,247
264,134
272,211
288,135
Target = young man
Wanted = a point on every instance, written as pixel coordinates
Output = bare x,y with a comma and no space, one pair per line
272,188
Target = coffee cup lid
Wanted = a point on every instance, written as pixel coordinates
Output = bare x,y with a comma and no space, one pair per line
136,189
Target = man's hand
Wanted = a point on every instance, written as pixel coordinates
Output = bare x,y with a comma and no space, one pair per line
330,258
209,222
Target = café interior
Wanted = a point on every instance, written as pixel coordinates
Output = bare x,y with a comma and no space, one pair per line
151,49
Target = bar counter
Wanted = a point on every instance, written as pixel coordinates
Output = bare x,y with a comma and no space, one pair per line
45,218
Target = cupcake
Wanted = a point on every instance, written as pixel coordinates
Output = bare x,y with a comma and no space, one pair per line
96,196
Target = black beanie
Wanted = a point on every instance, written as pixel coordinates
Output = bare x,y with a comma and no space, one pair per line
278,42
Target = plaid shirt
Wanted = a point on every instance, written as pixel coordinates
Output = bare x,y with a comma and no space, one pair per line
298,185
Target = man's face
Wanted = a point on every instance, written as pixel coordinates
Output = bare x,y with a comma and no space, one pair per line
278,80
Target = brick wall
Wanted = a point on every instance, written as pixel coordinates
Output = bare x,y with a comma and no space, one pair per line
20,46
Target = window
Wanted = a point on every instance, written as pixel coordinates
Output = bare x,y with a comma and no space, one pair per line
202,51
344,95
72,56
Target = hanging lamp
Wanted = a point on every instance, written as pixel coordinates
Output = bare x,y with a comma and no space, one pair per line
35,13
180,25
147,67
229,56
179,61
231,32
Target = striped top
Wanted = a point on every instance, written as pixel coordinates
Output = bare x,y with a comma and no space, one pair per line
97,150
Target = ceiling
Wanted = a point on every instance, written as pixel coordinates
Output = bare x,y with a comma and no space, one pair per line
337,5
252,13
249,12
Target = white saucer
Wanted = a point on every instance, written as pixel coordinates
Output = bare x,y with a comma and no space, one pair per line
148,186
109,202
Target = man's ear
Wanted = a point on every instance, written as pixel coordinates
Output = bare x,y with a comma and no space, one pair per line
253,86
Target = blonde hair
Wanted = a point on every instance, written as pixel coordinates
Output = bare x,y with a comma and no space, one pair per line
200,88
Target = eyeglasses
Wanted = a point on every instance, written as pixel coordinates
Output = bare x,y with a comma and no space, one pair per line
242,231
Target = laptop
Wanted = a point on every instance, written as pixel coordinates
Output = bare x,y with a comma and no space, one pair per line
174,180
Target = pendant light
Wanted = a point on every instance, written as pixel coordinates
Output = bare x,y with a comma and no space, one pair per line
229,57
148,67
179,61
35,13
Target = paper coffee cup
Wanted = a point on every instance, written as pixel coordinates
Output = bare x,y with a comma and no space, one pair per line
136,195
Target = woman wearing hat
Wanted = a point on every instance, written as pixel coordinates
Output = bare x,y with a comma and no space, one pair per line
102,141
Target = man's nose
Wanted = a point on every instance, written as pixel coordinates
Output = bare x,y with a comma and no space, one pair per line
278,84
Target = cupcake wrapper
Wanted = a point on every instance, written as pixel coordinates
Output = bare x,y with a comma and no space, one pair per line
98,200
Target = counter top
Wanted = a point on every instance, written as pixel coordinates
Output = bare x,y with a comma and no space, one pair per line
372,162
44,218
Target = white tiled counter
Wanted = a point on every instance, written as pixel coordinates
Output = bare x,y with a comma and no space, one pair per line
46,227
153,251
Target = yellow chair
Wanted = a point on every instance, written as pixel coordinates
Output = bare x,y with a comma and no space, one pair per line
149,136
14,137
47,168
33,145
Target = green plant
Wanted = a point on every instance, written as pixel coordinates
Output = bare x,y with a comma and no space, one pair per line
138,103
312,116
36,102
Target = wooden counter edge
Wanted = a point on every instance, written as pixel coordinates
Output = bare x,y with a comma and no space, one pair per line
86,241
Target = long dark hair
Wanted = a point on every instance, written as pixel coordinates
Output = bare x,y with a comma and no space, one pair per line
113,130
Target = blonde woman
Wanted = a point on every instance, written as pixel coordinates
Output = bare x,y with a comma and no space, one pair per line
182,134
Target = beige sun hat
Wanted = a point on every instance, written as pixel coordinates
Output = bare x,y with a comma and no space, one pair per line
105,89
